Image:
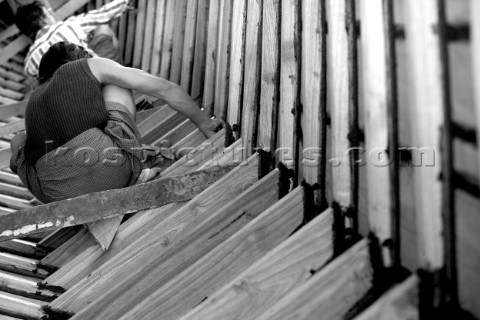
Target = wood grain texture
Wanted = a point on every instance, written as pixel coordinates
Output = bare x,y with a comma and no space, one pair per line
223,263
104,231
237,59
21,265
270,76
56,238
141,11
475,47
426,112
23,248
178,40
175,135
20,307
129,45
189,45
24,287
271,277
211,57
233,154
167,44
113,277
331,292
159,24
148,33
223,58
289,81
198,72
399,303
251,87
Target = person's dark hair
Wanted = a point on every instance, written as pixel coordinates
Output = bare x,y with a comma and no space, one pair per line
56,56
29,18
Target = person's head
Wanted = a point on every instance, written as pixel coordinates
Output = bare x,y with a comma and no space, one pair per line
32,17
56,56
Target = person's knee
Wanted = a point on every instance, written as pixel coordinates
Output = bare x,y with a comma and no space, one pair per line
113,93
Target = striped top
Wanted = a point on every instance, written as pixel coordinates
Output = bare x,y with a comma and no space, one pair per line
75,30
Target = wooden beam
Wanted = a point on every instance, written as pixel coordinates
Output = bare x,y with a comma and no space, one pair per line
24,287
281,270
232,154
215,268
211,54
158,36
331,292
237,60
198,72
148,32
178,40
175,135
12,127
270,76
251,91
129,45
22,265
189,45
23,248
106,204
399,303
58,237
23,308
148,253
10,110
475,47
141,11
104,231
167,44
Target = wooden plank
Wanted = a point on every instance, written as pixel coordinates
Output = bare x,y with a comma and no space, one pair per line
104,231
251,93
20,307
377,115
399,303
69,249
11,94
122,35
475,47
22,265
270,75
21,286
167,44
12,75
331,292
14,203
237,59
58,237
139,33
222,59
274,275
189,45
13,48
15,191
178,40
12,110
23,248
129,46
149,124
224,262
200,50
211,55
175,135
190,142
106,204
289,81
426,123
12,127
145,255
232,154
163,126
148,32
158,36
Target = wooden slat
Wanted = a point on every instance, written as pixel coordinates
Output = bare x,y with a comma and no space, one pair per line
251,93
20,307
13,48
222,59
426,123
289,81
340,102
233,154
176,134
23,248
95,206
11,94
237,60
211,54
12,127
139,33
21,265
11,84
140,257
12,75
189,45
14,203
399,303
190,142
270,75
148,31
274,275
22,286
475,47
15,191
12,110
331,292
129,45
178,40
163,126
149,124
158,37
200,50
104,231
122,35
56,238
167,44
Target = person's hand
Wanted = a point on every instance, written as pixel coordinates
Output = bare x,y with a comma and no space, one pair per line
210,127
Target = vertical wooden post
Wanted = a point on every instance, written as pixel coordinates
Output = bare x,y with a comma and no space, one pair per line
380,114
122,35
475,45
200,49
211,55
313,95
251,91
178,40
289,81
148,32
167,43
237,61
131,25
430,112
270,76
139,33
189,45
158,37
342,97
223,59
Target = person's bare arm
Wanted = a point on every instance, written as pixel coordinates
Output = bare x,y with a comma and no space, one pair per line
110,72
